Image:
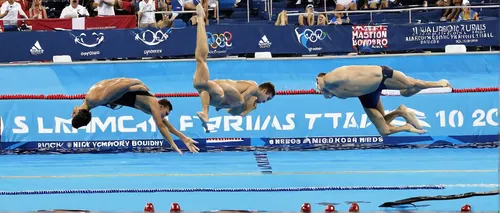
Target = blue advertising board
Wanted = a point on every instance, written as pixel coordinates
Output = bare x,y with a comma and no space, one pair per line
287,120
226,40
465,118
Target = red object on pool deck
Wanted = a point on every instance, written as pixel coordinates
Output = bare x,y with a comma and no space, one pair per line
330,208
175,207
149,207
466,208
354,207
306,207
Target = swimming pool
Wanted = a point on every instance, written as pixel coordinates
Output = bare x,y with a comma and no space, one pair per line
459,170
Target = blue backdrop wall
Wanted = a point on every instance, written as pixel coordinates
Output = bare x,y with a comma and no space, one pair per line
286,120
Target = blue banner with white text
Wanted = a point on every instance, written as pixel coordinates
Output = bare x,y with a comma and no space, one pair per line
232,40
454,119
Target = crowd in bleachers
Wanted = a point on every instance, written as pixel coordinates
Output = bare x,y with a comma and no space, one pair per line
284,12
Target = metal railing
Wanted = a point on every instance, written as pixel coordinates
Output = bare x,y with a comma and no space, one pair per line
181,12
409,10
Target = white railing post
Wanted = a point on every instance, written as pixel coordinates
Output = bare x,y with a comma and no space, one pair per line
218,13
271,10
409,16
248,11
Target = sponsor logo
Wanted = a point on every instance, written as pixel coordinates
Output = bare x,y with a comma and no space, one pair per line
308,38
90,42
369,36
36,49
151,38
264,42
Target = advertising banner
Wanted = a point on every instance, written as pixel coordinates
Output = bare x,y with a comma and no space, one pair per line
287,120
226,40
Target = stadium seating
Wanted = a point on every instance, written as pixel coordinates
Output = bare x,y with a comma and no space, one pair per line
259,15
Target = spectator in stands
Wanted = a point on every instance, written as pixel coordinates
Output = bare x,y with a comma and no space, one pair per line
308,17
336,20
9,12
386,4
37,11
282,19
450,14
322,19
467,13
343,5
105,7
174,5
126,5
371,4
74,10
191,5
146,14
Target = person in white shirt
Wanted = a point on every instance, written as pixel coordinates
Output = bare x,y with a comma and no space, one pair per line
9,12
146,14
74,10
105,7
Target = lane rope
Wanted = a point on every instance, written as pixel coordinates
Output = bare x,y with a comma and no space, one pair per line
282,92
168,190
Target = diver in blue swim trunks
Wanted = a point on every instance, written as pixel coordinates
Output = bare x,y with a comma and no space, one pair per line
367,83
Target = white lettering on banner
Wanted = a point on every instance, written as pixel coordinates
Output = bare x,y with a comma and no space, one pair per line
455,118
147,143
90,53
62,125
110,144
185,122
117,143
96,122
463,33
23,128
235,123
121,126
349,122
325,140
369,36
50,145
84,144
103,144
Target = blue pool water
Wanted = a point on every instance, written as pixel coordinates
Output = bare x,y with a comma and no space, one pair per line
461,170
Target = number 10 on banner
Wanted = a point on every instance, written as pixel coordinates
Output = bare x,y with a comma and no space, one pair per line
455,118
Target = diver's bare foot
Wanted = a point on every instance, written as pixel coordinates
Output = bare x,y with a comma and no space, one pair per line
411,117
445,83
411,128
204,119
200,11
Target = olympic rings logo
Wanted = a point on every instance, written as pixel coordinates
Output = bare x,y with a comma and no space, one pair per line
220,40
314,36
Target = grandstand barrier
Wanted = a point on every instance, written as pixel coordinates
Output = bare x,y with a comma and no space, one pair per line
38,118
225,40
